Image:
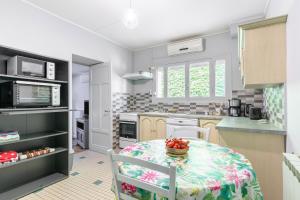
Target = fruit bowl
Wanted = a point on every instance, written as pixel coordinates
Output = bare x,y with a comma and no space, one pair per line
176,151
177,146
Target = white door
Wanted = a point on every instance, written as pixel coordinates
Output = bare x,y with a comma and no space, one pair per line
100,108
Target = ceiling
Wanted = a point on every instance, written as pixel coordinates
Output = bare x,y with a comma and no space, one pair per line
159,20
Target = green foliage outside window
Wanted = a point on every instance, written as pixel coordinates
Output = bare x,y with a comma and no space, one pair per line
199,80
176,81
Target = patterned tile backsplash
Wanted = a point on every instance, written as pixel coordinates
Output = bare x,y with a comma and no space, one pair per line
274,98
254,97
142,102
121,102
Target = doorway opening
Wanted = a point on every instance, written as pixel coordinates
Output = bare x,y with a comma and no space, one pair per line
81,71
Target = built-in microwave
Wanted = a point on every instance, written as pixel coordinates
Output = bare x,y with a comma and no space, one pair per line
19,65
29,94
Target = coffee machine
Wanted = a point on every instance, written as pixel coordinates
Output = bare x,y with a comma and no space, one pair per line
234,107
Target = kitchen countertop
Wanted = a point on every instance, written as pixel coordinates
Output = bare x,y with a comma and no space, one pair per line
179,115
247,125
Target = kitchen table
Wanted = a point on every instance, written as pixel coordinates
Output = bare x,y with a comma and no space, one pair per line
208,172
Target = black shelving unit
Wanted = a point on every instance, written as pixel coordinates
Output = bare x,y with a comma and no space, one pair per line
38,128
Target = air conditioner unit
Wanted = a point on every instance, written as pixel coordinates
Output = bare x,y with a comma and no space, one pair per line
186,46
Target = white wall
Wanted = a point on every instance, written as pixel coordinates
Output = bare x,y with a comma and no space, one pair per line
27,28
293,80
80,90
291,7
216,46
278,8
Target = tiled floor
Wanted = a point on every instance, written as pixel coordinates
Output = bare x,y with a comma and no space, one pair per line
90,179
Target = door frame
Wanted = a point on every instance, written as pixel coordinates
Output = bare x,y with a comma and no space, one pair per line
102,149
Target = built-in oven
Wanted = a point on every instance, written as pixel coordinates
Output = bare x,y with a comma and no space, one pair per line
29,94
128,129
24,66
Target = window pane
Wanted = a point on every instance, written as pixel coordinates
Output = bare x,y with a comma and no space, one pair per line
160,87
176,81
199,80
220,78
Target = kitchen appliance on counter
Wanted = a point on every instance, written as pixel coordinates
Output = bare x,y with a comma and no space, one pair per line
255,113
247,109
128,129
82,130
29,94
234,107
173,123
19,65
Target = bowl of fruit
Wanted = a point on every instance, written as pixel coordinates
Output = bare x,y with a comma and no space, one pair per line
177,146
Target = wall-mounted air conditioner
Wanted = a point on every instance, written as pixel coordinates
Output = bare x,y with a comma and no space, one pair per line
186,46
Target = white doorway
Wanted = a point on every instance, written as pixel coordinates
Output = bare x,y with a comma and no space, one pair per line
80,102
100,108
91,82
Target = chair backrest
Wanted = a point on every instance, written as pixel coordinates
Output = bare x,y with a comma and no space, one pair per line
204,131
120,178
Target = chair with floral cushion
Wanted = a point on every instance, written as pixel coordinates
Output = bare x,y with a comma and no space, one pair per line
122,182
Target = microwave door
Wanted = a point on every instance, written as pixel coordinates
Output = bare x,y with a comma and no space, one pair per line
33,69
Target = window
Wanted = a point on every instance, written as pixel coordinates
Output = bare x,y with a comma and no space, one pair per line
176,81
199,80
220,78
192,80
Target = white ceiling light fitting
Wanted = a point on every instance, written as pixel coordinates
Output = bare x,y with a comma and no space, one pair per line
130,19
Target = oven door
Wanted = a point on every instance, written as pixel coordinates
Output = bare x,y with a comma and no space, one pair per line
128,129
32,94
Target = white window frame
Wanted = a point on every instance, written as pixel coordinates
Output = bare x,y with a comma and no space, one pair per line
187,98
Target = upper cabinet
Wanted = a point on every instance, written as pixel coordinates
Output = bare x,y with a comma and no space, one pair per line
262,52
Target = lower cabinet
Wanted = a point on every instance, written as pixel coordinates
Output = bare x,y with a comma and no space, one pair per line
214,134
264,150
152,128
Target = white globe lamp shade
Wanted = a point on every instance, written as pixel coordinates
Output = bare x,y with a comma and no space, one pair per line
130,19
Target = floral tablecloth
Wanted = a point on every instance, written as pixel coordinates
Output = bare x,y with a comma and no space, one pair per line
209,172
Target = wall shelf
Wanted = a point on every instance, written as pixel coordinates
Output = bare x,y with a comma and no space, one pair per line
34,136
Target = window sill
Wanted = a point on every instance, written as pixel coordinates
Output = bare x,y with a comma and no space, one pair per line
199,100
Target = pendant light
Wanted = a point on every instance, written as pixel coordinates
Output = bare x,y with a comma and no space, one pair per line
130,19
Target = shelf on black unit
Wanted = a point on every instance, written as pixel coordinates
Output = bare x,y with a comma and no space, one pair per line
20,111
14,77
35,136
32,186
57,150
